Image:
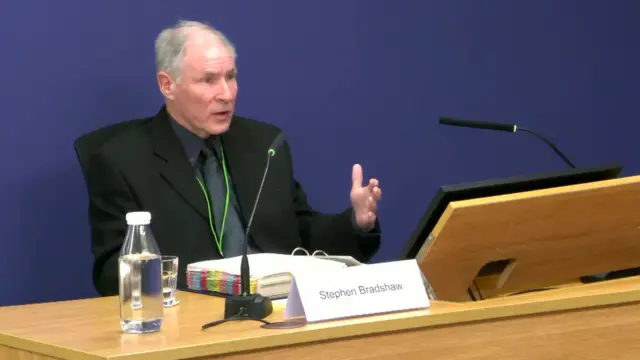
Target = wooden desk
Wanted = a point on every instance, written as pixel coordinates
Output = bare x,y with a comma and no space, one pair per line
594,321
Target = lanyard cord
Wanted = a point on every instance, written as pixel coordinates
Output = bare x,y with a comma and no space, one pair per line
226,203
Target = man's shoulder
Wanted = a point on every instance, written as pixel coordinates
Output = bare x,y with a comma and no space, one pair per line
115,140
250,125
127,139
250,131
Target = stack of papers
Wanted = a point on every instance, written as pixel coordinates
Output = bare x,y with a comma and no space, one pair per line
271,274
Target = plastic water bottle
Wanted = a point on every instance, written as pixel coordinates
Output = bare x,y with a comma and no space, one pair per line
140,273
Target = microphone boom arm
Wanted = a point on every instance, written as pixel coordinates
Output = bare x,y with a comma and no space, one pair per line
552,145
245,289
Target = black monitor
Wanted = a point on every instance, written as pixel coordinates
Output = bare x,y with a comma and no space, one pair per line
474,190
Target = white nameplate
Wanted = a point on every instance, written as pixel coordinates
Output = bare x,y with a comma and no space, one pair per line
356,291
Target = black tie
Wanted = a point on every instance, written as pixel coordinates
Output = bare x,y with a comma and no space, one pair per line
214,177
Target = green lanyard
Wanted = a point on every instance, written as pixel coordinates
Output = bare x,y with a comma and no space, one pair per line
226,203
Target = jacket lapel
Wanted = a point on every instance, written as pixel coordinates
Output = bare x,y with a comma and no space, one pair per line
173,165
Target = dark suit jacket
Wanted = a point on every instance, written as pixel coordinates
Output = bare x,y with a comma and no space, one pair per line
144,168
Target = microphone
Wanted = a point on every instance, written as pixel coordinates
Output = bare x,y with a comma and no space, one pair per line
487,125
478,124
247,306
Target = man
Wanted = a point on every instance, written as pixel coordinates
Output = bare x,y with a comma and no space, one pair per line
197,168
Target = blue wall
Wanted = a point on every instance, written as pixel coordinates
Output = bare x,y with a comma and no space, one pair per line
350,81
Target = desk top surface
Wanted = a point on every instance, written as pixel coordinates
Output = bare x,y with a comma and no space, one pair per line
90,328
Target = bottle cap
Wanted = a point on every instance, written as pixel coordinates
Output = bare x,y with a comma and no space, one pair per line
139,218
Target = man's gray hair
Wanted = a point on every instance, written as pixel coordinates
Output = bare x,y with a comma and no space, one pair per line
171,42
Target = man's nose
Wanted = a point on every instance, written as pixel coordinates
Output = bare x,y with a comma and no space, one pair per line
223,92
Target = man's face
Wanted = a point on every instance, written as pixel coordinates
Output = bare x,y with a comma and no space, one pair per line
206,94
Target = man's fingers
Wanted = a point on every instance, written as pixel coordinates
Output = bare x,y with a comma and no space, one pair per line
372,217
356,176
374,189
372,205
377,193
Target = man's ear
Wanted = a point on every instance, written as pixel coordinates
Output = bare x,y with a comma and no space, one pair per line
166,84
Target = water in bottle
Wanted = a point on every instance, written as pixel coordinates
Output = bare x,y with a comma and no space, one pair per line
140,272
